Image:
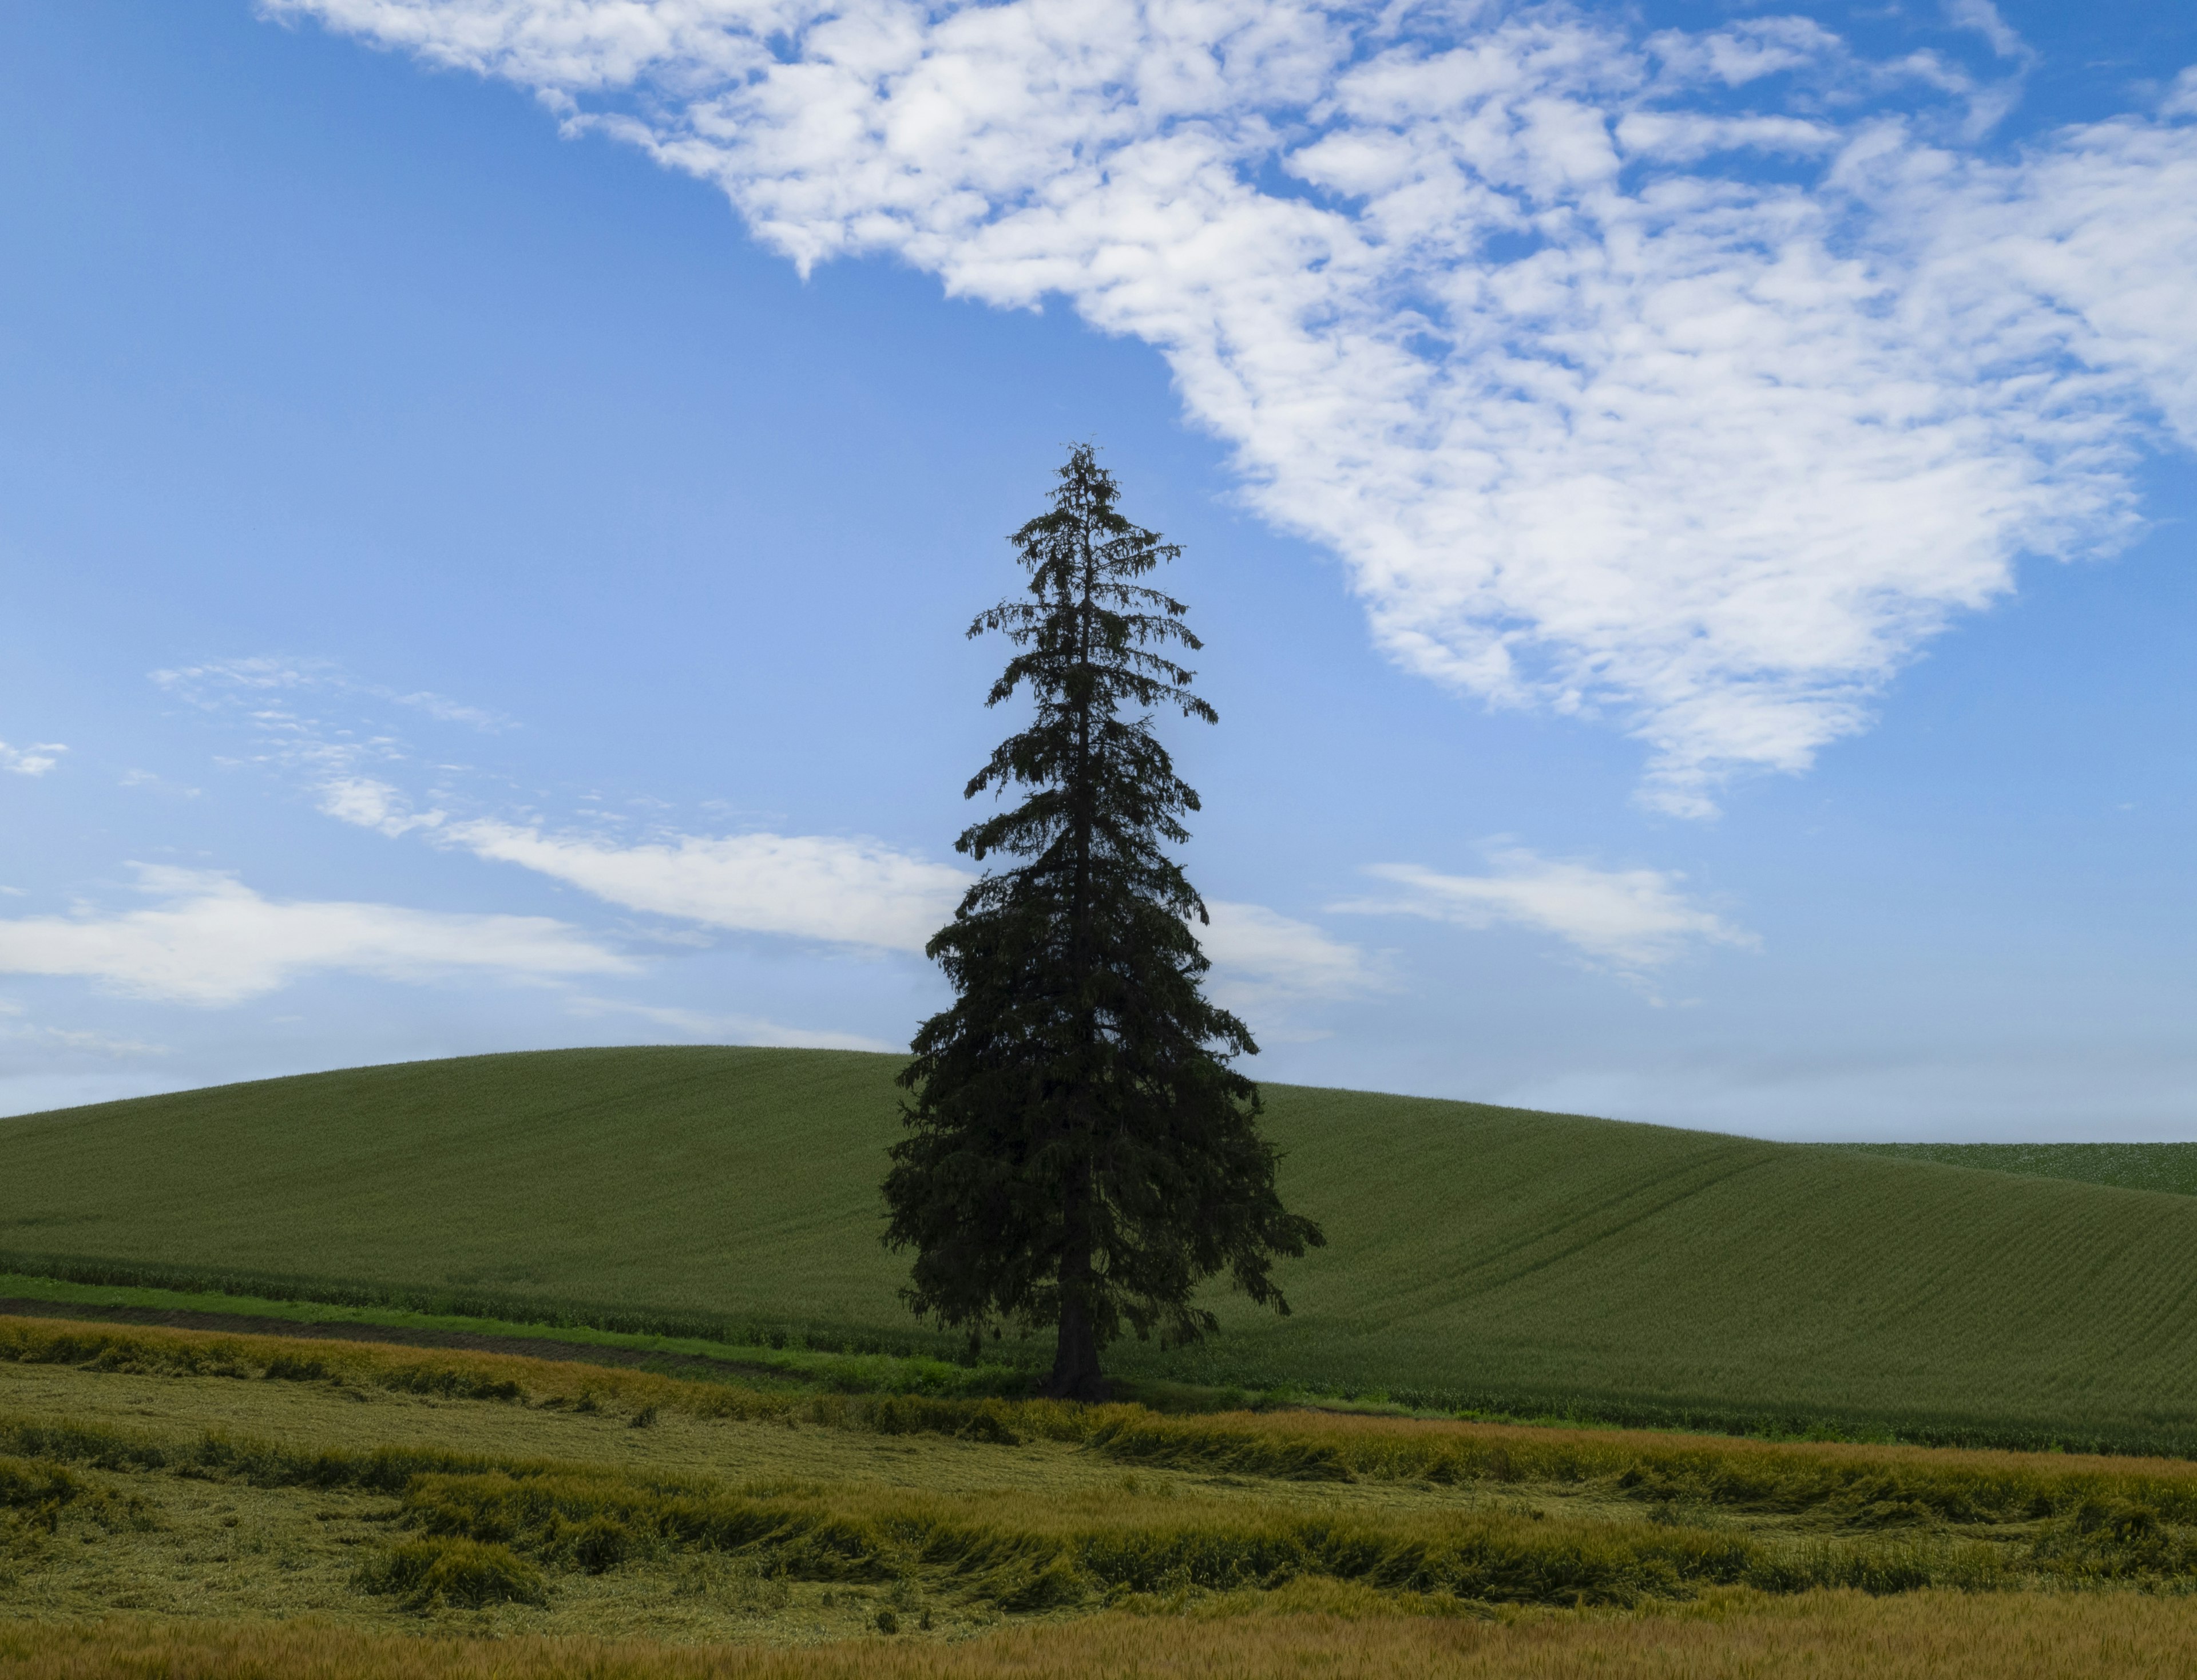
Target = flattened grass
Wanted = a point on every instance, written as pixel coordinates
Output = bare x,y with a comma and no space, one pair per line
484,1506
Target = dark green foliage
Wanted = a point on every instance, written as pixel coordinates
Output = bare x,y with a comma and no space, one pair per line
1080,1154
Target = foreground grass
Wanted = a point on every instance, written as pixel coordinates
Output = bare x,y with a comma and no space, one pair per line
1830,1636
179,1473
1483,1260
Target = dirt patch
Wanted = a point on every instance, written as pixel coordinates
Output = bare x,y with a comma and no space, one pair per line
530,1347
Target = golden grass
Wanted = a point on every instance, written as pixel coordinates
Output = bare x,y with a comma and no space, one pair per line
1832,1636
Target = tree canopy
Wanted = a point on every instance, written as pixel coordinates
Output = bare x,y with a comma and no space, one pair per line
1079,1152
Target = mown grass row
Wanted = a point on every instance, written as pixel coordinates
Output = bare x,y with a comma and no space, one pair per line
507,1378
449,1301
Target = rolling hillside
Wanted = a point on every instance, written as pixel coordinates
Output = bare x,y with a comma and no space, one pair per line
1478,1255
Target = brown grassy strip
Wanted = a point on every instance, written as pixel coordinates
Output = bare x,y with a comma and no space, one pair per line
1823,1636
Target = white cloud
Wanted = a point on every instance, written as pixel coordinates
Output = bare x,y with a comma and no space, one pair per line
853,892
33,760
208,939
1267,964
1628,921
1983,17
367,803
1702,447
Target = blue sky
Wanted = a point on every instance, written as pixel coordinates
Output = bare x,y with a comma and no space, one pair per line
1689,508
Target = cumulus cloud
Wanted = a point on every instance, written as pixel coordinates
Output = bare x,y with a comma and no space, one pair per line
1627,921
208,939
1692,379
34,760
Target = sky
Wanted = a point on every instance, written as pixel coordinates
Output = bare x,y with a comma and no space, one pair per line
1689,507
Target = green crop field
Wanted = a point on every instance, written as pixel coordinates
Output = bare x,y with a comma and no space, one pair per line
1479,1257
2169,1167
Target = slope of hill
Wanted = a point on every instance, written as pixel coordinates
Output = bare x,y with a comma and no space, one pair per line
2169,1167
1477,1256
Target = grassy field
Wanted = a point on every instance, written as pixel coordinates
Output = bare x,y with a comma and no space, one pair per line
1480,1257
179,1505
2171,1168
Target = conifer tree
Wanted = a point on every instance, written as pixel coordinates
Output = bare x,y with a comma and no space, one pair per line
1079,1153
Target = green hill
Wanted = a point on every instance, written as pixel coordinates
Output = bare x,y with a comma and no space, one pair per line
2169,1167
1478,1256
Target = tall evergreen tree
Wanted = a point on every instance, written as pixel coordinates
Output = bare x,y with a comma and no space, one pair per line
1079,1152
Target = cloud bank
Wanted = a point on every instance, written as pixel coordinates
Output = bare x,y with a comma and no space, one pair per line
209,939
1691,379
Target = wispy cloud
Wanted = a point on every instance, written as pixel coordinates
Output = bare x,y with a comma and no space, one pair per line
1629,922
733,1029
208,939
1267,966
826,888
68,1040
852,892
155,783
1500,302
216,684
33,760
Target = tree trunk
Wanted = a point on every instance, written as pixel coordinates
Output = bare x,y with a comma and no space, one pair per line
1075,1374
